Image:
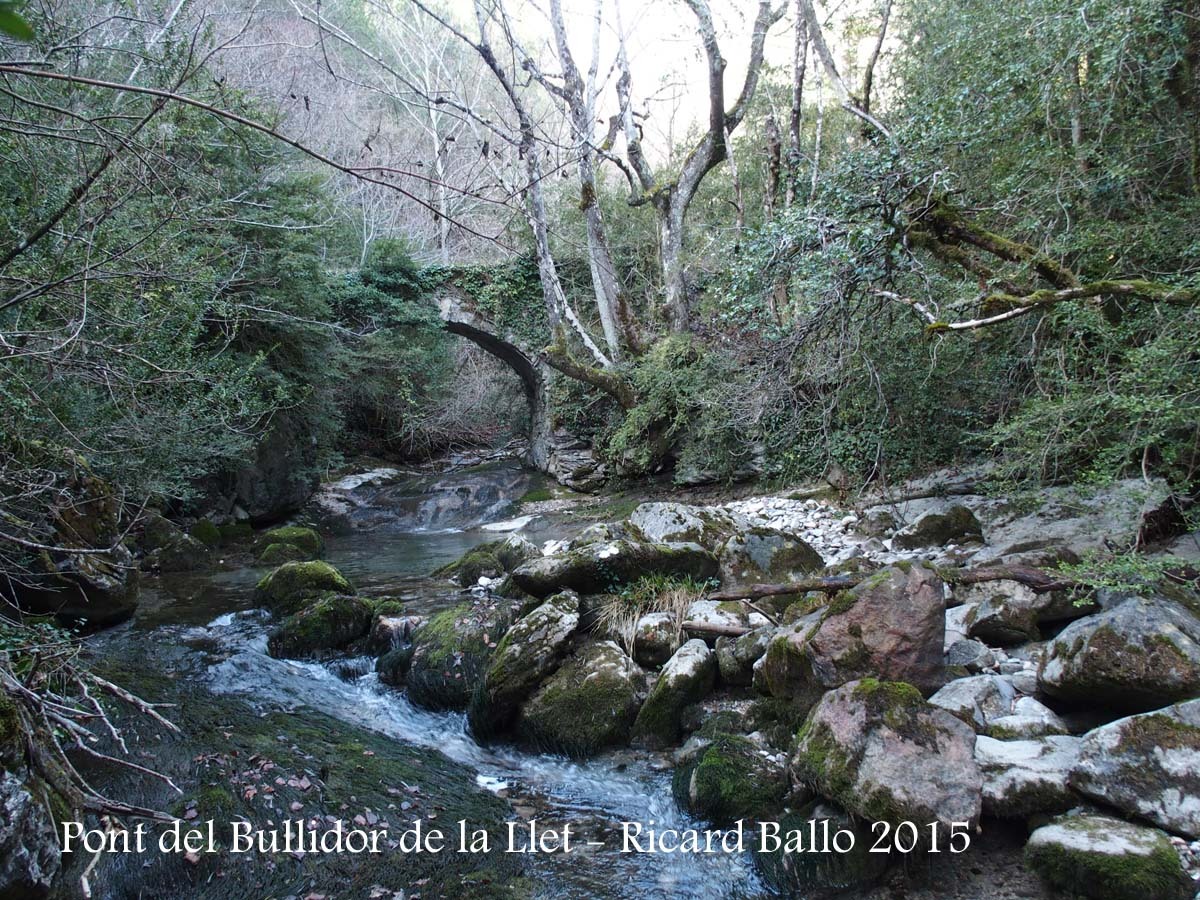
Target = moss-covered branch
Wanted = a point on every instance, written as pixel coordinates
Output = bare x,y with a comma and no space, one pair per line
558,357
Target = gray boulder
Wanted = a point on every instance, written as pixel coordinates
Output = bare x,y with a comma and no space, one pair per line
974,656
1146,766
1008,612
736,656
977,700
668,523
1140,655
655,639
1107,859
687,678
603,567
936,529
1021,778
29,853
530,651
765,555
881,751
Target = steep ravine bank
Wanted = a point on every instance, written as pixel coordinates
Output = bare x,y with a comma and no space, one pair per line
719,721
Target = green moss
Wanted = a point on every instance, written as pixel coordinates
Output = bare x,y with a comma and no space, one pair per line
206,533
11,739
329,624
451,655
285,589
298,536
537,495
728,782
235,532
278,554
387,606
1104,876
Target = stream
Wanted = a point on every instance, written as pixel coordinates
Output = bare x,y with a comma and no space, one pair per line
212,619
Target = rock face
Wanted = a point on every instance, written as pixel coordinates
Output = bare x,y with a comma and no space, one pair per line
98,589
29,857
449,655
285,589
530,651
956,525
589,704
601,567
881,751
1146,766
655,639
686,678
326,625
1107,859
890,626
1021,778
731,778
1137,656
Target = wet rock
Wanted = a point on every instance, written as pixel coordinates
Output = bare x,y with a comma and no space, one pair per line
1107,859
736,656
936,529
1147,766
450,654
687,678
1142,654
394,665
765,555
603,567
656,637
878,749
493,559
285,589
183,553
530,651
311,544
29,852
588,705
731,778
328,624
977,700
389,631
798,871
1023,778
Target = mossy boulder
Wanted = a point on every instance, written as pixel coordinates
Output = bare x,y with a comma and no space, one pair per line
604,567
669,522
393,666
493,559
956,525
785,670
687,678
182,553
1026,778
278,554
731,778
530,652
1141,654
236,533
879,750
795,870
736,656
656,637
1107,859
1146,766
450,654
329,624
158,532
306,540
588,705
285,589
206,532
757,554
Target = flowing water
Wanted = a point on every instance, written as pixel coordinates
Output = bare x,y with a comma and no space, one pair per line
393,555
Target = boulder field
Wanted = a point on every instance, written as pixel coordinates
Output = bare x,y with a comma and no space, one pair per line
878,679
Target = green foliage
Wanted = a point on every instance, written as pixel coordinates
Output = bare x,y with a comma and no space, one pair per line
1130,572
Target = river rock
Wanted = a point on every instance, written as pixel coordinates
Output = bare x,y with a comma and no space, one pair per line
687,678
785,669
390,630
1021,778
1107,859
1141,654
764,555
736,656
719,615
450,654
731,778
881,751
285,589
663,523
799,872
304,539
29,854
977,700
890,626
936,529
656,637
1029,719
588,705
1146,766
1007,612
328,624
974,656
530,651
603,567
74,581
